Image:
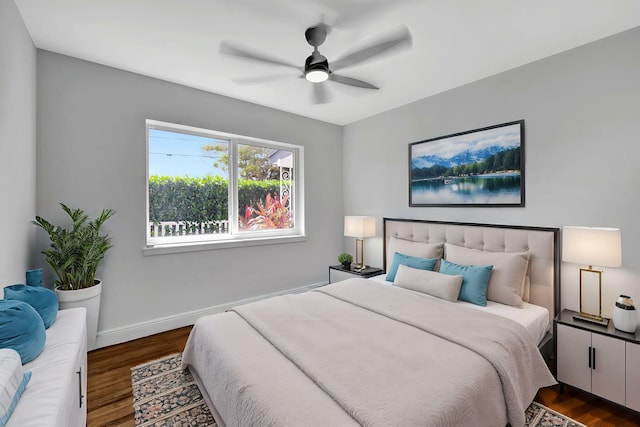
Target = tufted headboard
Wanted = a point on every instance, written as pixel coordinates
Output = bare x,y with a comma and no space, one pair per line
542,243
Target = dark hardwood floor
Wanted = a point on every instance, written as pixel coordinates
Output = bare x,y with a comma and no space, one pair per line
589,410
110,402
110,398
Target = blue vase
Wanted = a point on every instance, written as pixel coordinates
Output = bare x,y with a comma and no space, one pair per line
34,277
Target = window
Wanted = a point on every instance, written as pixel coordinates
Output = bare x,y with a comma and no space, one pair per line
206,186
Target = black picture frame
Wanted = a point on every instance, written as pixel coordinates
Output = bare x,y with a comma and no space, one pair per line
478,168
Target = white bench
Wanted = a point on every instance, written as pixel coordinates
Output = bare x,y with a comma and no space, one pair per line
56,394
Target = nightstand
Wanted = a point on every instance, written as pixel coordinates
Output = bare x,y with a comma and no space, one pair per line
600,360
338,273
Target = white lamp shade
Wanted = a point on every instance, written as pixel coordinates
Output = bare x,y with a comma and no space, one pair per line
592,246
360,226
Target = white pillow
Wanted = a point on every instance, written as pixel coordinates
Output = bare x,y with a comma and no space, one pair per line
507,281
415,249
13,381
439,285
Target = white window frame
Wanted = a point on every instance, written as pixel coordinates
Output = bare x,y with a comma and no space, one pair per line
236,237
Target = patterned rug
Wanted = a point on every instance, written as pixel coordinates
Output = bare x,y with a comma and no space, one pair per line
165,396
538,415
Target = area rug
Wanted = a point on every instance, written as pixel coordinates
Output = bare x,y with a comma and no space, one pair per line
538,415
166,396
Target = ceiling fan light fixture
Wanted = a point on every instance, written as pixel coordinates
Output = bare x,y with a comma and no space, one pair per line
316,76
316,68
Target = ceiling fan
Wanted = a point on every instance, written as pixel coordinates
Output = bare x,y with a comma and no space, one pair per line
316,67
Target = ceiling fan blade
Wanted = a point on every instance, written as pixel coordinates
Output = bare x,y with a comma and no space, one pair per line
351,81
227,48
260,79
399,38
320,94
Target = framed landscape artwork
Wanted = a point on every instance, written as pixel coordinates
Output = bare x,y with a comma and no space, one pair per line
481,167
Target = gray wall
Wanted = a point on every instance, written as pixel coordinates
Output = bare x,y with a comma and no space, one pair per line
17,145
582,124
91,154
582,119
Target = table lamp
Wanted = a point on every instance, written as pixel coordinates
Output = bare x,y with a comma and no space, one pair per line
359,227
592,246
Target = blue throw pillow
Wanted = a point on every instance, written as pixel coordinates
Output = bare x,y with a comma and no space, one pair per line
409,261
475,280
22,329
44,300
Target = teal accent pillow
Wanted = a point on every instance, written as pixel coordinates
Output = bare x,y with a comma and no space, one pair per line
44,300
475,280
409,261
22,329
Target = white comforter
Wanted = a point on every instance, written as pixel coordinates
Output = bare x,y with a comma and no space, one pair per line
360,353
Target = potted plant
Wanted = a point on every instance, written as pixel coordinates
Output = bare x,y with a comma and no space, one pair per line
74,255
345,259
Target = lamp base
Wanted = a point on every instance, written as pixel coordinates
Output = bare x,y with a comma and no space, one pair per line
584,317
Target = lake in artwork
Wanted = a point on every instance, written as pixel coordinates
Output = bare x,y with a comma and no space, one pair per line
481,189
480,167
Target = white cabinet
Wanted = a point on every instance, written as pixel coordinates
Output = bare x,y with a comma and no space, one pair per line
608,368
592,362
633,376
77,399
573,353
601,361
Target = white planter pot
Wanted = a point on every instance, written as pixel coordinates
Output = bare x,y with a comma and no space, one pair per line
88,298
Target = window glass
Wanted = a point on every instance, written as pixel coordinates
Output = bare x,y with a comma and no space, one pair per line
206,185
264,188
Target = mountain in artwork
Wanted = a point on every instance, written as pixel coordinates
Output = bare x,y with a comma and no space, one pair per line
462,158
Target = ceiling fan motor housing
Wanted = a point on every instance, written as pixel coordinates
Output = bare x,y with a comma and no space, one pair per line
316,35
317,61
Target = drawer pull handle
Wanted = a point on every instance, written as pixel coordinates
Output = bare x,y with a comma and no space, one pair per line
80,395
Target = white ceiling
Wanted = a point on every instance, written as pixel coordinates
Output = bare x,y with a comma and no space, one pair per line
454,42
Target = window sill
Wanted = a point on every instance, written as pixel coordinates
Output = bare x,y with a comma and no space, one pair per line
215,245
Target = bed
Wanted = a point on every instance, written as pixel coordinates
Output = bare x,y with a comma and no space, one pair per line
366,352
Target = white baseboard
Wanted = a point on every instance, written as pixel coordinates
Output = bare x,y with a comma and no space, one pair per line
150,327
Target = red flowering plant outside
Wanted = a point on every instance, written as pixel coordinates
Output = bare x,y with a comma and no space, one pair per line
273,213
